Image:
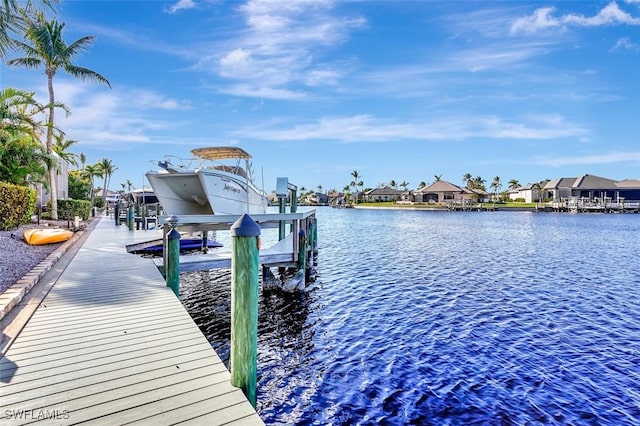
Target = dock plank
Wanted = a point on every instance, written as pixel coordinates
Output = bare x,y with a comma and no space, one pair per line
111,344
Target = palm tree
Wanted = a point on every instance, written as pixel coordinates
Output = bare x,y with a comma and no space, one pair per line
61,147
513,184
22,157
468,180
393,183
538,188
91,172
12,19
496,185
83,159
478,183
48,50
422,184
107,169
404,185
356,181
437,178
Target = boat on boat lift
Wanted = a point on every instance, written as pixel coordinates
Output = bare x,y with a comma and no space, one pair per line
217,180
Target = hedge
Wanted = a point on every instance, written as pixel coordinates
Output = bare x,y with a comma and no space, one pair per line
17,204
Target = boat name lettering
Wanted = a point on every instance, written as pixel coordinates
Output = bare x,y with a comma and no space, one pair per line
228,187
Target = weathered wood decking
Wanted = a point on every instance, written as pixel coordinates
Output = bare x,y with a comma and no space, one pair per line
111,344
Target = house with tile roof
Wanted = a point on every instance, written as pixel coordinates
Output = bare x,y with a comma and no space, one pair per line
385,193
593,188
443,192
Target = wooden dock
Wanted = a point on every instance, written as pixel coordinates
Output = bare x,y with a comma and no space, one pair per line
283,253
111,344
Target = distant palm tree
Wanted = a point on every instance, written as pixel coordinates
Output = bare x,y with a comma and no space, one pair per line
513,184
320,188
107,169
404,185
393,183
48,50
537,187
129,184
92,171
468,180
496,185
83,159
437,178
356,182
422,185
479,183
61,147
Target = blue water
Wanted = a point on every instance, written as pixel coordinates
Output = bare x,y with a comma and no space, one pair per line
449,318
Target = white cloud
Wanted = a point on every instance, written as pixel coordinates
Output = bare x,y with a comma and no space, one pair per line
181,5
607,158
280,46
106,117
366,128
543,18
624,43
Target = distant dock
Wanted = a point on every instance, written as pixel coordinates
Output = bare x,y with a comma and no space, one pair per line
111,344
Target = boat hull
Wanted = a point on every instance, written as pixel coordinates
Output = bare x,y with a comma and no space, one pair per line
205,192
179,193
38,236
229,194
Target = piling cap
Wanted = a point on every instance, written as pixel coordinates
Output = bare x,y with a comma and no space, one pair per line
245,227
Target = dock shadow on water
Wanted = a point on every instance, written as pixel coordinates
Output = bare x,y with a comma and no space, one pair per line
448,318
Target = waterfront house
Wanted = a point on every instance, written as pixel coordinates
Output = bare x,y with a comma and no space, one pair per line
441,192
382,194
530,193
593,189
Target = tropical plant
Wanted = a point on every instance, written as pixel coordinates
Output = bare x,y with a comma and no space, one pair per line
468,180
13,16
22,158
422,185
90,172
357,181
107,168
478,183
496,185
79,185
61,147
513,184
47,49
404,185
537,187
437,178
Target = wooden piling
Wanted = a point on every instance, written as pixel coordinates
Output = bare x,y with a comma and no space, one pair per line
302,250
130,218
172,265
245,263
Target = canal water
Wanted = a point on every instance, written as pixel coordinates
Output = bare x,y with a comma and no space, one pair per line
422,317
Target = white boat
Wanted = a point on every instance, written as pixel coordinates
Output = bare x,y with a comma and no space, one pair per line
217,180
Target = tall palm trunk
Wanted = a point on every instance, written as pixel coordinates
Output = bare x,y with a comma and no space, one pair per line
53,188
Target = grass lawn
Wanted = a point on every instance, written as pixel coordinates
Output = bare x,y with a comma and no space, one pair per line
505,206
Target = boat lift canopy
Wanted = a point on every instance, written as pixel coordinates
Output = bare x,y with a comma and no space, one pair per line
221,153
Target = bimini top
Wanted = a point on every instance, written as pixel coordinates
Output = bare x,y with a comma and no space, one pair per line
220,153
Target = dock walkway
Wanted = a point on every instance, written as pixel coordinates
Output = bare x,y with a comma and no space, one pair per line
111,344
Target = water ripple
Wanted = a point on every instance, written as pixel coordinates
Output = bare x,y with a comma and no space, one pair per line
449,318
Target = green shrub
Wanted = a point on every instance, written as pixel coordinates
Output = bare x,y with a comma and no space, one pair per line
69,208
17,204
98,202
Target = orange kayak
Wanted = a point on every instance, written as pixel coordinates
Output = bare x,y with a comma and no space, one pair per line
37,236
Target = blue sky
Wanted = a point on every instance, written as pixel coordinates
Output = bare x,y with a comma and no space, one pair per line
397,90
